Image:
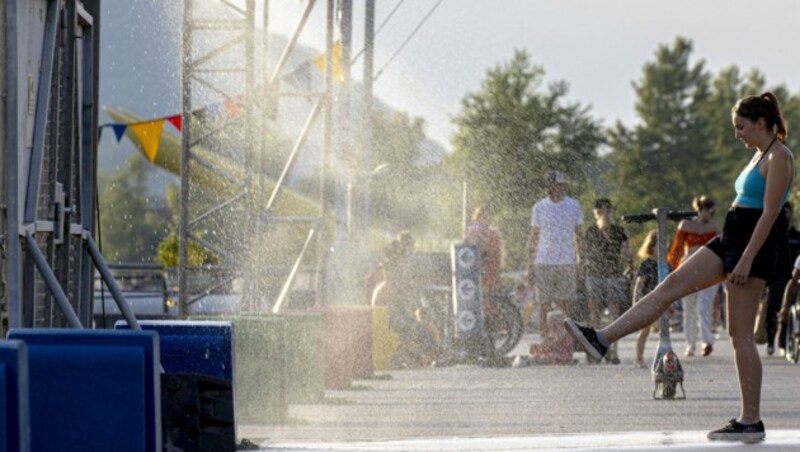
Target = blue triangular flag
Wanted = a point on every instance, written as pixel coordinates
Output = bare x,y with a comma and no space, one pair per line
119,130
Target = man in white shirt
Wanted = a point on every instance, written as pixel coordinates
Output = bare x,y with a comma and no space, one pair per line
555,238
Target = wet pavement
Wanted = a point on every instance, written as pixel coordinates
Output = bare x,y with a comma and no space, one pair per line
577,407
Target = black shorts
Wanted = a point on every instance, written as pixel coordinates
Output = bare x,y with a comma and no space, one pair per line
739,225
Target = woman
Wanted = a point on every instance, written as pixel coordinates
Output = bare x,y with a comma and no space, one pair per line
743,256
646,280
481,234
690,236
605,255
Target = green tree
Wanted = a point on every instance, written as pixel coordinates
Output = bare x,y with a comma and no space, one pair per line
168,252
666,159
397,192
131,226
511,132
730,155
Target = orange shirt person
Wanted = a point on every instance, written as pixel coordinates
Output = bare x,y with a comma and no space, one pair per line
697,306
487,239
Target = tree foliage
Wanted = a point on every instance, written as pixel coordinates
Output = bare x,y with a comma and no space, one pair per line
130,225
666,159
168,253
684,144
510,133
396,192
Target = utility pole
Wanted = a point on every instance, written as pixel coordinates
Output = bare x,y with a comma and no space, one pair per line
325,284
186,136
364,159
343,256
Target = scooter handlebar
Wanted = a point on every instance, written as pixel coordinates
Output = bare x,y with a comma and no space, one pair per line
678,215
638,217
671,215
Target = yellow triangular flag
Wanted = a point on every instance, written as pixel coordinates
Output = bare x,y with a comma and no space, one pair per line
149,134
336,70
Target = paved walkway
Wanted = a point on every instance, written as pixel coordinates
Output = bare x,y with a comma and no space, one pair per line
579,407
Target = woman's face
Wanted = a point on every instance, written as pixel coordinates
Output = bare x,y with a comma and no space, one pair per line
746,130
706,213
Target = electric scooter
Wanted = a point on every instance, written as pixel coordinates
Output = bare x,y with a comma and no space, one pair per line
666,368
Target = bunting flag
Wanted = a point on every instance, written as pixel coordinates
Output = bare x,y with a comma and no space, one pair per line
175,120
233,107
119,130
300,77
149,134
336,67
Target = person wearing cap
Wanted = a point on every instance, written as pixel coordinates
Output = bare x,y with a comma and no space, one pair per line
605,256
555,236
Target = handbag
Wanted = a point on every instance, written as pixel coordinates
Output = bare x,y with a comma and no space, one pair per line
760,331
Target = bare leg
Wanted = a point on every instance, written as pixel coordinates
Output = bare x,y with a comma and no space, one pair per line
742,306
701,270
641,341
595,312
544,308
690,319
614,312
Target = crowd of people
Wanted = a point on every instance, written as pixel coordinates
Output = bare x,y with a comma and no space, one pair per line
753,259
750,253
588,273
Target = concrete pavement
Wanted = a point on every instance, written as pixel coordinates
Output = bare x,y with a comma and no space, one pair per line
578,407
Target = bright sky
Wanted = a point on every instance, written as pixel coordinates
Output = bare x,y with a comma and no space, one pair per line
598,46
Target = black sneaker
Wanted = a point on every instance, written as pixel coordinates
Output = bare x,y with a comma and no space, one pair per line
587,338
612,358
735,431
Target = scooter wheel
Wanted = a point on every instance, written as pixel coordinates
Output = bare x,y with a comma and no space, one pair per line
668,390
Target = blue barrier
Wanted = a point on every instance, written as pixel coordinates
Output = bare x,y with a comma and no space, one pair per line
194,347
93,389
14,413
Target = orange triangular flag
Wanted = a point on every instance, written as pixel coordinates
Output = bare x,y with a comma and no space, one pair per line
149,134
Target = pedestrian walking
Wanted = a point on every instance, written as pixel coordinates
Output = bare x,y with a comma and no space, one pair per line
645,281
697,306
555,236
605,256
776,288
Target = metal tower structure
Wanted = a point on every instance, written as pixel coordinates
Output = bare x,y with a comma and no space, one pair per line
221,55
49,74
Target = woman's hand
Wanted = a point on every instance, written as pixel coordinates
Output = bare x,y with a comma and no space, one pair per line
741,272
783,314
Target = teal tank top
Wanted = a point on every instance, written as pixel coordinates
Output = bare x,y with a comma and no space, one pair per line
750,187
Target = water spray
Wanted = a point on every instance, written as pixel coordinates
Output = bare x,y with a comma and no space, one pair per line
667,370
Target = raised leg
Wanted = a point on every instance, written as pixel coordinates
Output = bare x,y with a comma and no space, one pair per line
701,270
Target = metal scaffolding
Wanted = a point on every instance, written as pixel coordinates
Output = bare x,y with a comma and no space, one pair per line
222,53
49,131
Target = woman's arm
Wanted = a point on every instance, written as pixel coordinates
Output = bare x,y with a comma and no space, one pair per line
778,178
789,295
